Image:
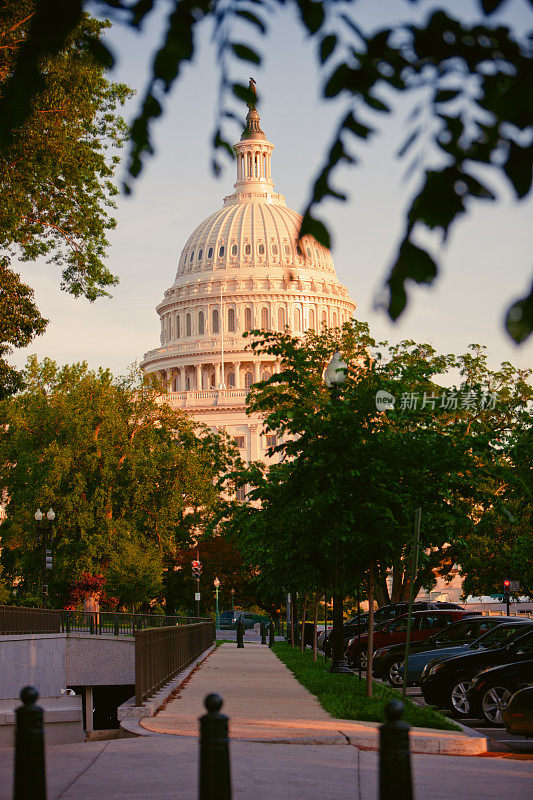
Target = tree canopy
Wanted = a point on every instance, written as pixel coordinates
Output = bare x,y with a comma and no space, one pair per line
123,472
351,476
57,173
472,80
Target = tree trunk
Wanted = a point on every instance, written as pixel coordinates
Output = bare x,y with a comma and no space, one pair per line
315,623
370,646
302,635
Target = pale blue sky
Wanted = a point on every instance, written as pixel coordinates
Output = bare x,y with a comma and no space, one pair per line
486,264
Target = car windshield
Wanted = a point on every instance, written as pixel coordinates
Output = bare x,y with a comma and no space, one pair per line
227,615
499,636
454,633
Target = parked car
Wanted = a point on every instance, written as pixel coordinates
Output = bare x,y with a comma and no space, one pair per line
423,624
491,689
445,681
388,661
518,714
384,615
227,620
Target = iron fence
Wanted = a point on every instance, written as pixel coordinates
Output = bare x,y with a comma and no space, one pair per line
160,653
15,620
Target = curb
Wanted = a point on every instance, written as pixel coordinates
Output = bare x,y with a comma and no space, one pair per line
129,714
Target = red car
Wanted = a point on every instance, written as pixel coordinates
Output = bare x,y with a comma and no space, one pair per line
423,624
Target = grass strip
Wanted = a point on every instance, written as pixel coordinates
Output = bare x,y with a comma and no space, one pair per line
344,697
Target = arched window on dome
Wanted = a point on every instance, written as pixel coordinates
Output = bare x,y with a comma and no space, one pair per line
334,319
201,323
221,251
200,254
188,328
247,249
261,249
234,250
210,252
192,255
265,325
231,380
325,318
274,249
178,332
214,321
297,320
281,319
247,319
231,320
248,379
311,320
309,253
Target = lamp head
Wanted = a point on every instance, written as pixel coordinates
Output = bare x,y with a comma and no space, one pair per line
38,515
216,583
51,515
335,372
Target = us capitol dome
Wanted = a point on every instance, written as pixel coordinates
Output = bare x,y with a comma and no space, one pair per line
240,270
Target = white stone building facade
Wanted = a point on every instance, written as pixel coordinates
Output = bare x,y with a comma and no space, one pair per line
240,270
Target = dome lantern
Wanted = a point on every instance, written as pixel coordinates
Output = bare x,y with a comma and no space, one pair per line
253,153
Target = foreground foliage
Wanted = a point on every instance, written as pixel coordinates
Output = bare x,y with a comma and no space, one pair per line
469,77
343,696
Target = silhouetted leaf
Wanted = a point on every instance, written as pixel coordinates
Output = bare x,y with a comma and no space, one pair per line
253,18
338,81
312,13
413,136
314,227
243,93
491,5
219,142
445,95
519,319
140,10
246,53
518,168
327,46
355,127
477,189
375,103
412,263
100,52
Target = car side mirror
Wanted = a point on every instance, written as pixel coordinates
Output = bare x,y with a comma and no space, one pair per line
519,652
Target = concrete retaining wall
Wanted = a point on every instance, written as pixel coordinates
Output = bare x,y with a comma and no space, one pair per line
100,660
37,660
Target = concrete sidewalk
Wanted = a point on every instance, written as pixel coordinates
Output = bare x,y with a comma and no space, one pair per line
162,767
265,703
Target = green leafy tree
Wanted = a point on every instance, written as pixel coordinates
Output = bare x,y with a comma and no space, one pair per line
342,502
57,174
104,454
471,80
135,570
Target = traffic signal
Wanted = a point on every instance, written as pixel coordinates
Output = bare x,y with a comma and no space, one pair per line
506,589
196,569
48,559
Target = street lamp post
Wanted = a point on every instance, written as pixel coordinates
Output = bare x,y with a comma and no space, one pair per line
45,546
233,599
216,584
334,378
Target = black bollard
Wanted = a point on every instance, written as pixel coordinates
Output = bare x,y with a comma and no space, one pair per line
215,779
263,632
395,782
271,634
30,780
240,633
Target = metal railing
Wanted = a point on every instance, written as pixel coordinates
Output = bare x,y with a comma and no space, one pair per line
15,620
160,653
18,620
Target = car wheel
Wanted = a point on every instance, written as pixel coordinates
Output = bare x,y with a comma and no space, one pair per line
392,674
458,700
493,702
